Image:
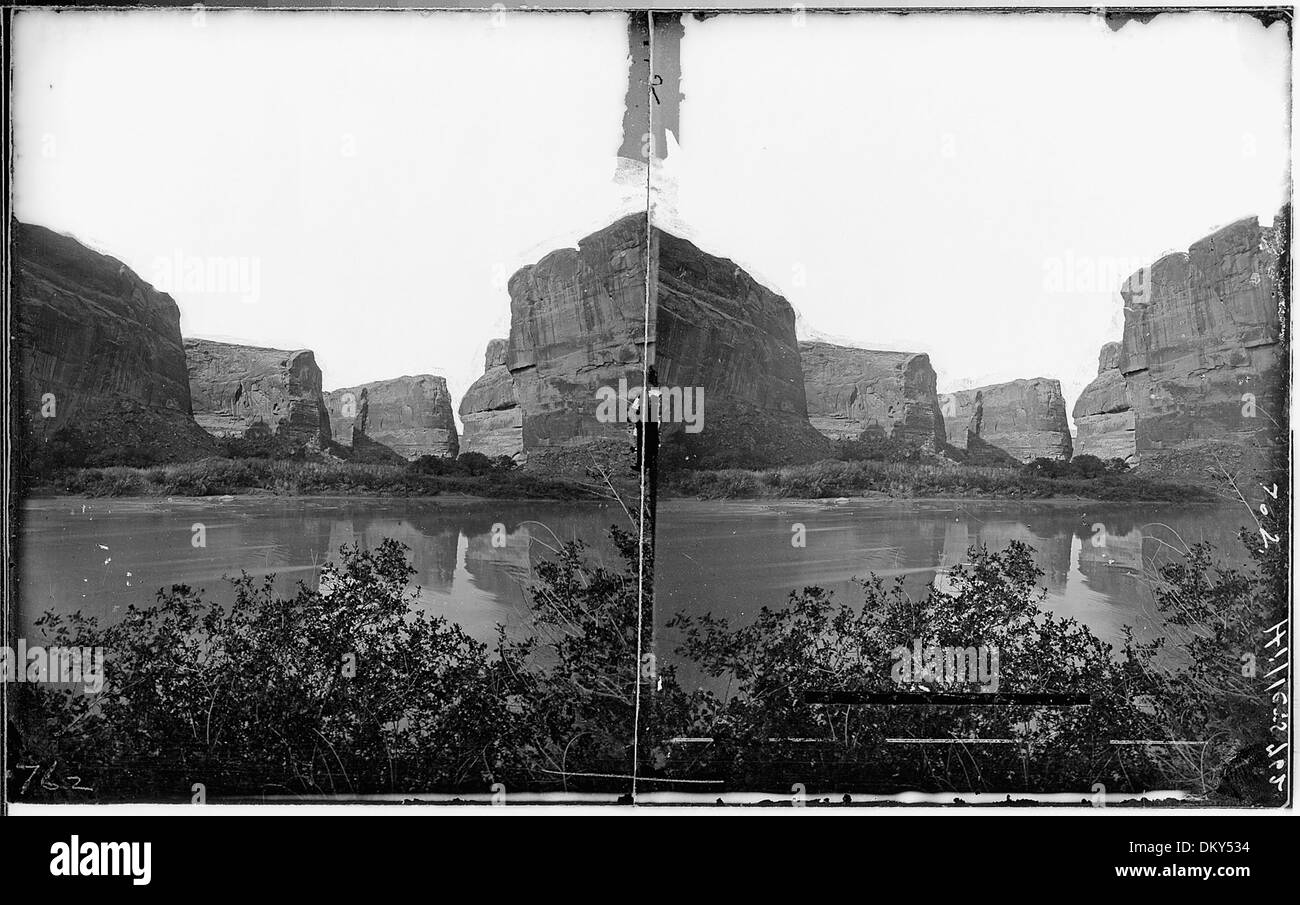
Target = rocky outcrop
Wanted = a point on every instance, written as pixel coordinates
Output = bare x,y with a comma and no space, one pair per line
577,324
252,392
887,394
1103,413
579,329
409,416
98,350
1018,421
716,328
489,410
1202,354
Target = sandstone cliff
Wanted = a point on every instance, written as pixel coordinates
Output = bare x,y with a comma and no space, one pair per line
99,350
577,323
1202,354
409,416
1103,413
889,394
716,328
1021,420
249,391
489,411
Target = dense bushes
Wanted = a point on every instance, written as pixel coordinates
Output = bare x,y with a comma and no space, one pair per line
473,464
1084,466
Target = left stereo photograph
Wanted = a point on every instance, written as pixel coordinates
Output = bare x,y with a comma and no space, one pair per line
328,331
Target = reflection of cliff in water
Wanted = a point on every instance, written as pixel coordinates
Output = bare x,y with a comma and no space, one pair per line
1116,554
1051,545
430,542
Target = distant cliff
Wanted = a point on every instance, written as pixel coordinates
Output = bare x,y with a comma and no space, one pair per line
1202,354
1103,413
851,391
1021,420
409,416
489,410
254,392
99,350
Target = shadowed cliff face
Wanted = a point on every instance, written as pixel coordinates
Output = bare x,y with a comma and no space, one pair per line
1022,420
98,349
1103,414
490,410
715,327
1202,356
409,416
854,390
248,391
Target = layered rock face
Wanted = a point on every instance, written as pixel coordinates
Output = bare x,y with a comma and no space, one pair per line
98,349
888,394
410,416
1022,420
577,323
1202,356
716,328
489,411
1103,413
249,391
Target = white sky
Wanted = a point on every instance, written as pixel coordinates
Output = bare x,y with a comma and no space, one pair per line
154,137
908,181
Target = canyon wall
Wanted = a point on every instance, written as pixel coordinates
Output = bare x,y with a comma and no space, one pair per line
489,411
1017,421
1203,357
254,392
887,394
1103,413
409,416
98,349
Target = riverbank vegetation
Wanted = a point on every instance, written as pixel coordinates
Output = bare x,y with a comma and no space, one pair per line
832,479
215,477
351,689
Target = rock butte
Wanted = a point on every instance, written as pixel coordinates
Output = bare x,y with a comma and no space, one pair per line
250,391
406,416
714,326
1103,414
578,324
1021,420
887,394
490,412
105,344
